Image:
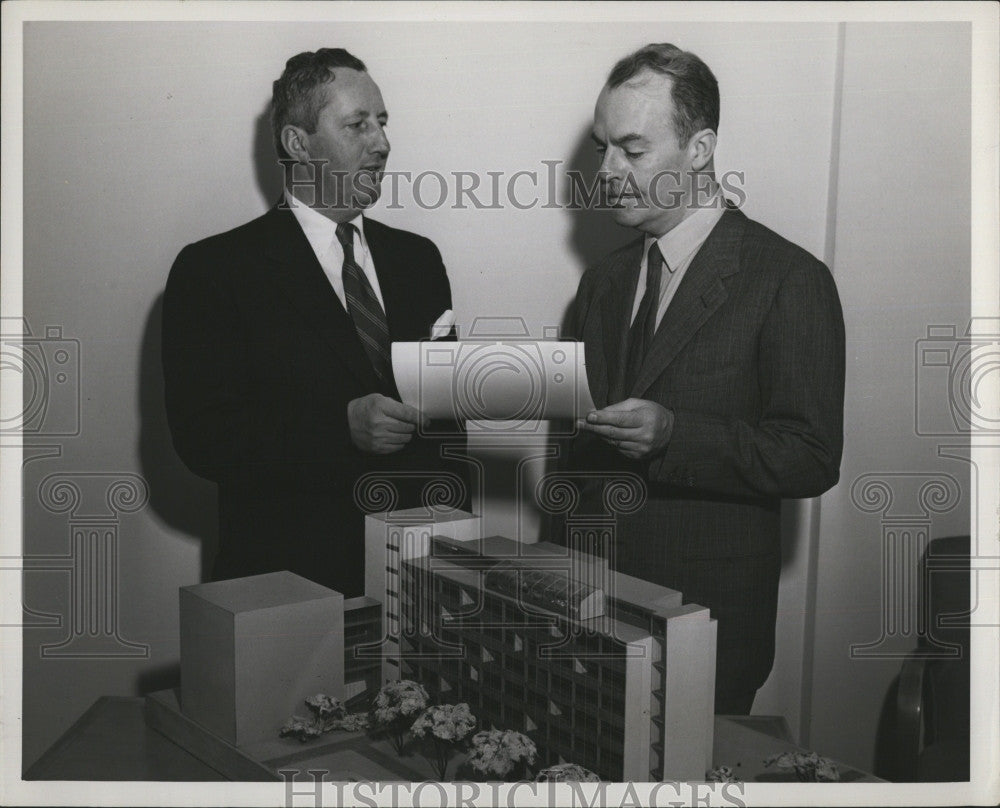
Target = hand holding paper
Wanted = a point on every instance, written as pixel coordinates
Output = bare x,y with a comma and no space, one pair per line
635,427
381,425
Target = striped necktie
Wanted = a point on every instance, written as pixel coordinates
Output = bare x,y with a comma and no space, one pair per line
644,326
363,306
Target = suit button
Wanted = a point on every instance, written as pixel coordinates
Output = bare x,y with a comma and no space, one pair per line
690,481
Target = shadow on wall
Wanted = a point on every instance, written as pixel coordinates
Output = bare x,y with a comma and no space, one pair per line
265,159
184,501
595,232
791,528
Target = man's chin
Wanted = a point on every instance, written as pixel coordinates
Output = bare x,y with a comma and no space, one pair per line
626,216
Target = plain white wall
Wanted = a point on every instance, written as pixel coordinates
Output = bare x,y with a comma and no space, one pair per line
140,138
902,263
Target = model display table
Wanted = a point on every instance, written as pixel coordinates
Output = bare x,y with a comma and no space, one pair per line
111,741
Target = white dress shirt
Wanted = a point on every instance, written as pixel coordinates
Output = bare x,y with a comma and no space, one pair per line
322,235
678,248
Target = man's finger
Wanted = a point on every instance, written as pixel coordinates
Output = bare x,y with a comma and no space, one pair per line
599,429
393,437
399,427
400,411
626,418
609,431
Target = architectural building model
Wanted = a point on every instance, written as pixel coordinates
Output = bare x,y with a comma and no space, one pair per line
609,672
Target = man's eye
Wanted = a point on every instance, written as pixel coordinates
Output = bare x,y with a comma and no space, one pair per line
357,125
600,150
632,155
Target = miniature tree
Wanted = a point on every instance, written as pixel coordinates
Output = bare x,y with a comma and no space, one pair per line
722,774
446,726
502,752
328,713
566,773
808,766
395,708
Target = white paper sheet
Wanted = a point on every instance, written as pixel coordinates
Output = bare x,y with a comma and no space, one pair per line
515,380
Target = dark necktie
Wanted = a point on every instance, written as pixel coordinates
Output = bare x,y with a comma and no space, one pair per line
369,319
640,335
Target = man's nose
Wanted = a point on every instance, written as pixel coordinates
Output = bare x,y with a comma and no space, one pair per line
380,143
610,167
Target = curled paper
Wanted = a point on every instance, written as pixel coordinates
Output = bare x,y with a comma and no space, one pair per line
516,380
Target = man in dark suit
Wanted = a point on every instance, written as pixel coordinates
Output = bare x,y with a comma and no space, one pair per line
277,339
715,351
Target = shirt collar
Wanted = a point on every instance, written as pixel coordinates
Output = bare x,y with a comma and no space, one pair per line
678,244
319,230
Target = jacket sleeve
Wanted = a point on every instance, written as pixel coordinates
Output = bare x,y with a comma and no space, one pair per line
794,448
223,427
439,276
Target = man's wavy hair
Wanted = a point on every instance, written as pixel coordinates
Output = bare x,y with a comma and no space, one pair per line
694,89
296,98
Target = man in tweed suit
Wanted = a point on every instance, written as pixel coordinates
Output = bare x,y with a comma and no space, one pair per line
715,351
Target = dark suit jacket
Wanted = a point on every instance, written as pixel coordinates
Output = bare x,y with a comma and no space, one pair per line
260,360
749,357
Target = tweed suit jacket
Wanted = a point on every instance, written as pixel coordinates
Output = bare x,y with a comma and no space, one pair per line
749,357
260,360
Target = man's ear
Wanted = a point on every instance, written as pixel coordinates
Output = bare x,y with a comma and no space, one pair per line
296,142
701,149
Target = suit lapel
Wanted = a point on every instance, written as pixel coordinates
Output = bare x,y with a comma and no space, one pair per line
391,284
297,275
699,295
617,298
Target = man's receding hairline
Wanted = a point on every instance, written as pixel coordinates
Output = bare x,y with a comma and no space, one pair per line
643,76
326,87
332,74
